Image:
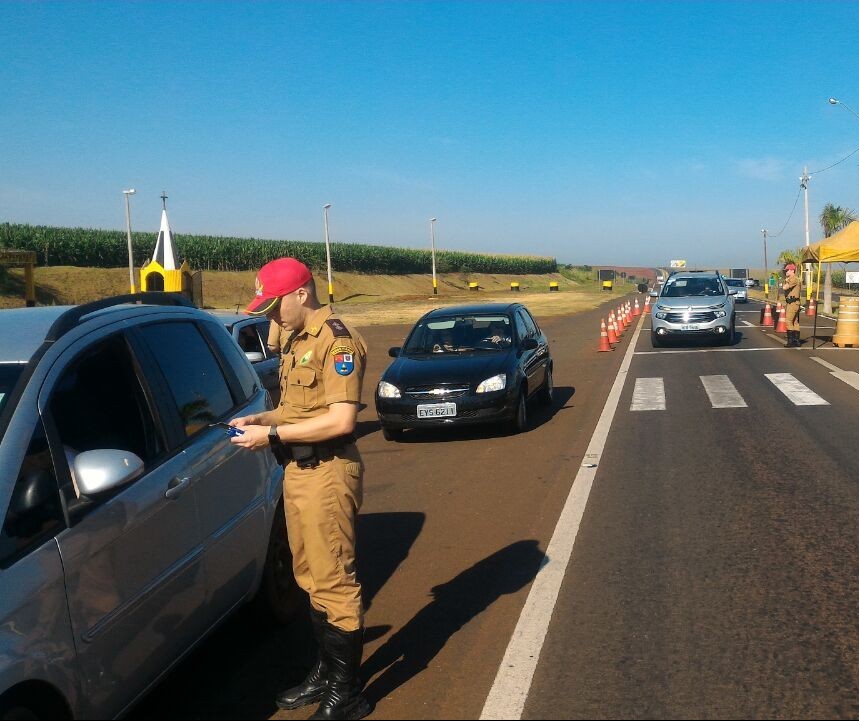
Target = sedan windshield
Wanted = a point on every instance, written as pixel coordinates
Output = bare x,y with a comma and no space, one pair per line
9,373
460,334
736,282
688,287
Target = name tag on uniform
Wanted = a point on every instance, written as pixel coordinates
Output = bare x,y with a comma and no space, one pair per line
344,363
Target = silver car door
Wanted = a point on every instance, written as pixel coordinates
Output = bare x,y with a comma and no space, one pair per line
133,560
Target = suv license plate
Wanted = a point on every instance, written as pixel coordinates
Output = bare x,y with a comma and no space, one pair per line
689,327
437,410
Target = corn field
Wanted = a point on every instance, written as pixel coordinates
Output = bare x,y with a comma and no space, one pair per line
87,247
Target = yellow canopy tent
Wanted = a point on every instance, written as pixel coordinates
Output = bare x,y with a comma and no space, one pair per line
843,247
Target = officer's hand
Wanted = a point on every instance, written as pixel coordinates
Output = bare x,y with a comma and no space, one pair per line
254,438
243,421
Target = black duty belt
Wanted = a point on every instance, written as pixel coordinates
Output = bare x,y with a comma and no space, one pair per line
791,299
311,455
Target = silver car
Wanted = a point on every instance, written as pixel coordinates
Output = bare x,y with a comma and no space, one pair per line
131,526
742,288
693,304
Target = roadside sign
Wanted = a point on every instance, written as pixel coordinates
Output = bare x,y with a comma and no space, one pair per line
852,276
678,263
772,281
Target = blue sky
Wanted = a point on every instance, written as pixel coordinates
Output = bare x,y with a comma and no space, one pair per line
601,133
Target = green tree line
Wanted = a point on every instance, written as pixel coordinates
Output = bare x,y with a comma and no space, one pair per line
88,247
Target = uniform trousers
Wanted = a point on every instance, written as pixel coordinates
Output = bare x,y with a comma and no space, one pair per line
792,315
322,505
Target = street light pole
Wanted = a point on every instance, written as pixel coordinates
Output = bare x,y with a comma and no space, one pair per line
432,245
766,266
127,193
328,254
835,101
803,183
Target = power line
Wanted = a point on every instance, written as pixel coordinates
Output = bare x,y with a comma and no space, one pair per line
776,235
828,167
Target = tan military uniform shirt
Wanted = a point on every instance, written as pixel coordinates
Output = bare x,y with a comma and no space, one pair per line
321,365
792,287
278,338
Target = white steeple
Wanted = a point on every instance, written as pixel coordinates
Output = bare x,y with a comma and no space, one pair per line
165,253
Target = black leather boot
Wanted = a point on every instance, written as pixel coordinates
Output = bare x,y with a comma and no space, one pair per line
343,699
313,688
793,339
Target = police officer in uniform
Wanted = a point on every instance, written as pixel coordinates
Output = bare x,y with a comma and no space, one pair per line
792,294
311,432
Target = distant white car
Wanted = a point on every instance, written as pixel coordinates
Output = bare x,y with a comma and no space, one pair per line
741,286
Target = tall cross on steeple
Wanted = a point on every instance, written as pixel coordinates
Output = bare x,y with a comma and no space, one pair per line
164,198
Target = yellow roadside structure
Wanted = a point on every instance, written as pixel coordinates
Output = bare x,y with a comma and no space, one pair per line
27,260
842,247
164,272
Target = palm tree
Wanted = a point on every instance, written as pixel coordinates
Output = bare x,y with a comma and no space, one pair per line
832,219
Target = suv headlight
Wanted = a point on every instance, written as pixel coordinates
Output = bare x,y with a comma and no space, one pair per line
720,314
388,390
496,383
662,315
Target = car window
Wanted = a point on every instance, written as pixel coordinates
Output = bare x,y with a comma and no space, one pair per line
9,374
521,328
35,513
530,325
459,334
249,339
248,380
193,374
99,403
692,287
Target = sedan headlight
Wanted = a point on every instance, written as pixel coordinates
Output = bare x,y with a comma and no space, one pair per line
496,383
388,390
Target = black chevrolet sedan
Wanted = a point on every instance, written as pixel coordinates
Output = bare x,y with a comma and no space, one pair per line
466,365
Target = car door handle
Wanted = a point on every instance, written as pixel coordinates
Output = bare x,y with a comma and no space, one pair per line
177,487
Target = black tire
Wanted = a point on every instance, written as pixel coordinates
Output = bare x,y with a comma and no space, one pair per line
392,434
654,341
730,335
279,598
547,392
520,420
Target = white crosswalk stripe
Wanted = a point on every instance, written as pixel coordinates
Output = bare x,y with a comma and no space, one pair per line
722,393
648,395
798,393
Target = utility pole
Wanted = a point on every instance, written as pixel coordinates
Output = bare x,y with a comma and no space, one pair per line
766,266
803,183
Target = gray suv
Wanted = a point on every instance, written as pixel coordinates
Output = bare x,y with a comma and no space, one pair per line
131,526
693,304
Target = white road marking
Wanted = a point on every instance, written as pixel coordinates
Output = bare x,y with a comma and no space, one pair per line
825,364
722,393
746,323
851,378
508,694
796,392
648,395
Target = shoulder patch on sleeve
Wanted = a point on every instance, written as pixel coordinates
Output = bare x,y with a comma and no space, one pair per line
337,328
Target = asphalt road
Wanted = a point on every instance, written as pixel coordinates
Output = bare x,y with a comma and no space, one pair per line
714,573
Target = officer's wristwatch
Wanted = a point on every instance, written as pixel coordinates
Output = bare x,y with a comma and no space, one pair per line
272,435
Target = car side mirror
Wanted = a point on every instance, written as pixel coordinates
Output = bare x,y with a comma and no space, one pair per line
255,356
654,294
530,344
394,352
104,470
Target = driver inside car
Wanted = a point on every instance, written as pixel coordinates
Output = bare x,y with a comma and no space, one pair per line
497,335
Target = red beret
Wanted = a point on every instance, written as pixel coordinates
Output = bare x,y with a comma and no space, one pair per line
276,279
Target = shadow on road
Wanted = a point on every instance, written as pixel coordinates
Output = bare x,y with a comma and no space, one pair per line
454,604
384,542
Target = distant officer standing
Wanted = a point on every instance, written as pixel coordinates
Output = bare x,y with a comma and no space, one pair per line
792,288
322,370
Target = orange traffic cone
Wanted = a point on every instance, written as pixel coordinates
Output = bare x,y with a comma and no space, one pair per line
628,313
768,317
637,311
647,304
612,336
618,331
604,344
781,326
624,311
811,308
